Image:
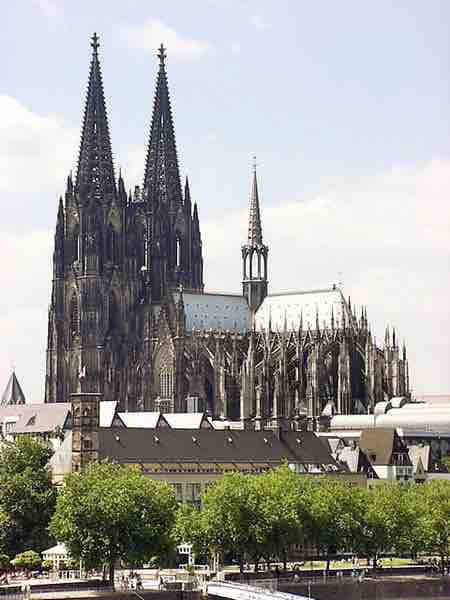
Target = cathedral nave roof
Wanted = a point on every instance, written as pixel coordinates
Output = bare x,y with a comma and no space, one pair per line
306,308
223,312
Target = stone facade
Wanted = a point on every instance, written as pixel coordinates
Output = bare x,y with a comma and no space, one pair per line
129,312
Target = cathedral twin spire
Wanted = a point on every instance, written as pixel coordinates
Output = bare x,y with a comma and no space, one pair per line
162,177
95,171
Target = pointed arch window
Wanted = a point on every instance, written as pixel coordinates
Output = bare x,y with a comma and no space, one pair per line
114,313
74,316
76,243
178,251
112,245
141,250
166,382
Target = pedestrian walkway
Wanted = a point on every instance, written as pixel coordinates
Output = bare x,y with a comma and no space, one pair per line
241,591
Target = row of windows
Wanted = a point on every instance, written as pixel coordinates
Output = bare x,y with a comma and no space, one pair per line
91,316
166,383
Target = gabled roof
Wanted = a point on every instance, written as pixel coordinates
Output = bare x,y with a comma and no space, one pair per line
55,550
143,420
13,393
380,445
209,445
188,420
108,410
356,461
420,454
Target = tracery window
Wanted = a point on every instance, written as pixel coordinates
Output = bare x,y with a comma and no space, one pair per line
112,248
74,316
166,382
178,252
75,243
114,312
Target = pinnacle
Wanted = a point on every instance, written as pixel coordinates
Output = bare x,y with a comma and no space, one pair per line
254,223
13,393
162,177
95,173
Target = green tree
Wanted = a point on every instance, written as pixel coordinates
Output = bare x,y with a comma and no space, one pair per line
434,518
335,515
6,530
5,562
384,520
189,529
47,565
109,512
27,497
27,560
228,517
280,501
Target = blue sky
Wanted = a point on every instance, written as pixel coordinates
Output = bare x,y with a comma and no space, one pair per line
345,104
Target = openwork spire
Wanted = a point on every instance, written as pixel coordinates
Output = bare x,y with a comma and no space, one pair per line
254,222
162,177
95,173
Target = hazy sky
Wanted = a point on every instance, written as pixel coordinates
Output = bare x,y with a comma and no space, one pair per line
345,104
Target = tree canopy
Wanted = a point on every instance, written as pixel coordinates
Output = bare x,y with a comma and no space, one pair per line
109,512
27,497
27,560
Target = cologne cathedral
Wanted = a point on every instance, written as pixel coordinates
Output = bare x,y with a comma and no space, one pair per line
130,315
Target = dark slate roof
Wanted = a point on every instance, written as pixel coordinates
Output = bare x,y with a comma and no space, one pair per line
13,393
209,445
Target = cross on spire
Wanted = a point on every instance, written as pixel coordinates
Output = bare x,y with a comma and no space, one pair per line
95,43
162,55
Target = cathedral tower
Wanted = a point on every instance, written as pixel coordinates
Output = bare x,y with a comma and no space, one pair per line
254,254
117,259
175,245
94,279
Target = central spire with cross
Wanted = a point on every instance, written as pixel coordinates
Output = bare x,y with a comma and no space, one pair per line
95,172
254,252
94,42
162,55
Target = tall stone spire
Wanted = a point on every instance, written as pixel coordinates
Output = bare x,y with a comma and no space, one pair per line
95,172
254,222
162,177
254,254
175,244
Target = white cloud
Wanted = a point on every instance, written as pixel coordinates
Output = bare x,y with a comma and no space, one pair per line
149,35
51,9
26,281
259,23
235,48
389,237
29,143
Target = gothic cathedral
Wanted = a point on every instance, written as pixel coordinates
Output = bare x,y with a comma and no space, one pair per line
129,314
